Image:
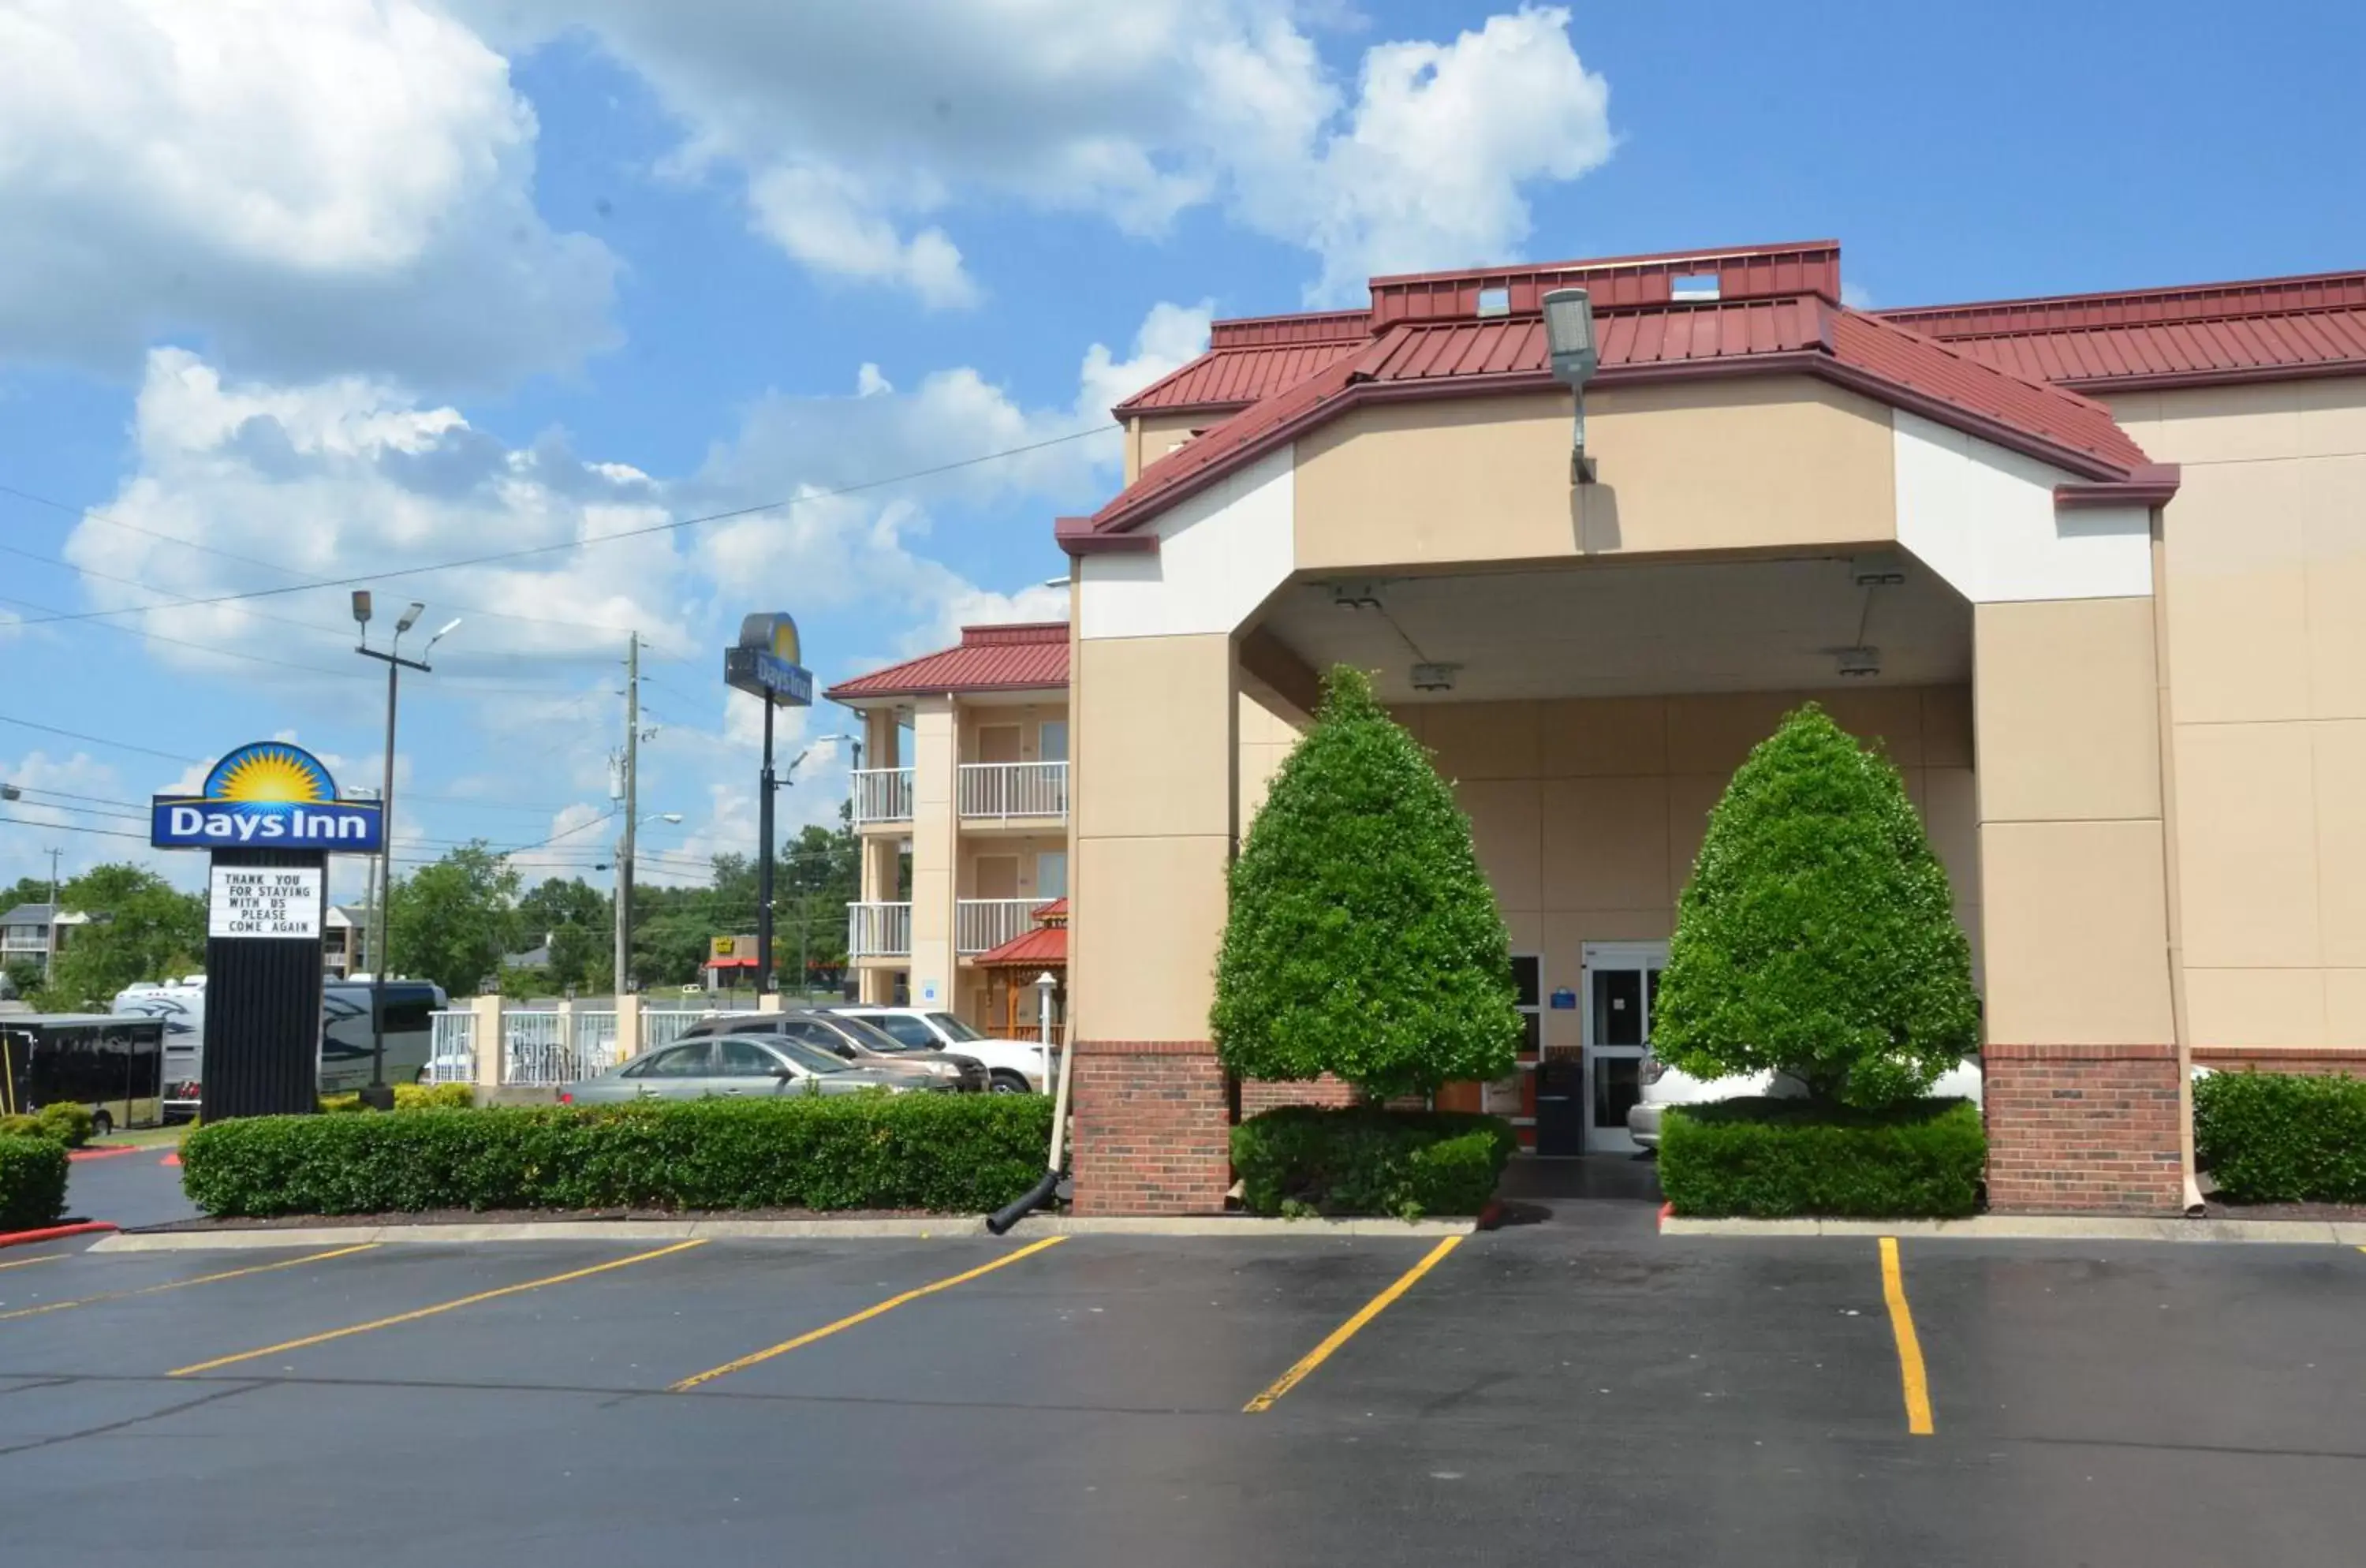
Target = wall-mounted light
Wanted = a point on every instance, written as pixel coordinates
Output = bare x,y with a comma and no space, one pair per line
1569,333
1354,596
1883,570
1858,664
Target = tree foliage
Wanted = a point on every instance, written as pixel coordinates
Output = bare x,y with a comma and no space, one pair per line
140,928
453,923
1363,939
1817,935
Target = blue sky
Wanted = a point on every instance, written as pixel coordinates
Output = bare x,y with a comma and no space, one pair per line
406,283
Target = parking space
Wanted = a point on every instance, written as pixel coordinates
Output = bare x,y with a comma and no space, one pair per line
1571,1390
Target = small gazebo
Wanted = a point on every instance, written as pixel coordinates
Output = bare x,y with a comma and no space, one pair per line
1012,970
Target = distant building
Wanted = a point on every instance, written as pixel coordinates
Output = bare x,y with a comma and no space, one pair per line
25,933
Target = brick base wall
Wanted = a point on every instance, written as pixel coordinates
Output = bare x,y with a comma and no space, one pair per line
1153,1131
2083,1129
2269,1059
1263,1094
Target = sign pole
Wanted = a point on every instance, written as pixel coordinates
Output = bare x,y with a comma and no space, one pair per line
764,865
764,664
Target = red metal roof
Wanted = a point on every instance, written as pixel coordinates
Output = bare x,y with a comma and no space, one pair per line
2200,334
1024,657
1226,379
1755,272
1803,333
1045,947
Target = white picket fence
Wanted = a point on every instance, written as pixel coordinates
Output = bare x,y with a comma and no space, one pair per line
451,1058
545,1048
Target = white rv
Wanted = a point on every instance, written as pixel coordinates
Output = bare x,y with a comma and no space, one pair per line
344,1048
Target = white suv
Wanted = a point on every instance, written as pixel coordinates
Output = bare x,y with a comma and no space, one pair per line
1013,1066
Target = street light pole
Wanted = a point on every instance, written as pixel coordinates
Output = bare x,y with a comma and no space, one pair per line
380,1095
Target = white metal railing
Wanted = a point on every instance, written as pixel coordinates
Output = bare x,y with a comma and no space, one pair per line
452,1051
664,1026
882,794
879,931
1013,789
983,923
538,1053
595,1040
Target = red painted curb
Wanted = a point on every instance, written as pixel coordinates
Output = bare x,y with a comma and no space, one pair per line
26,1238
102,1154
1490,1215
173,1158
1666,1209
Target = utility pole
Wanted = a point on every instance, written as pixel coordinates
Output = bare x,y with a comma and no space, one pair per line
626,783
50,940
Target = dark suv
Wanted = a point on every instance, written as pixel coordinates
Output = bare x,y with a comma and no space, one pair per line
850,1038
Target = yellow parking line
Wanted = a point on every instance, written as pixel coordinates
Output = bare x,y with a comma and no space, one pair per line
1347,1330
184,1284
431,1310
1910,1348
865,1315
29,1262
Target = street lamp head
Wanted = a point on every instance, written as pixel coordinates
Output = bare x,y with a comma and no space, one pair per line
444,631
674,817
361,606
1046,981
411,616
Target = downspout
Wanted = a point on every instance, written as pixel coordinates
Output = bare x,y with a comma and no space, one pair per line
2170,887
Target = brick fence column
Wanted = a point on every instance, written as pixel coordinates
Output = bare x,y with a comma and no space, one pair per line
2083,1129
1152,1132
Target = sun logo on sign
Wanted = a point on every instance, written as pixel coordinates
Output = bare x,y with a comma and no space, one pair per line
269,773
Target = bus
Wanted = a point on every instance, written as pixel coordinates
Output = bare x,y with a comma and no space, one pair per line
112,1066
345,1047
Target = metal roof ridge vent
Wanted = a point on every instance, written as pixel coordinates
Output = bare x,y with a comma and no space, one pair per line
1694,287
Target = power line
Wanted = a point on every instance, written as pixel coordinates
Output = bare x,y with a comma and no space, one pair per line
565,545
93,740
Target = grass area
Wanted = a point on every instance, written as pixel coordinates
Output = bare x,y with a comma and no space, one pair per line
144,1138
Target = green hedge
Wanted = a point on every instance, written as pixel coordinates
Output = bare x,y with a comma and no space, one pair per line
66,1124
2282,1137
1363,1160
951,1153
409,1097
1775,1158
32,1183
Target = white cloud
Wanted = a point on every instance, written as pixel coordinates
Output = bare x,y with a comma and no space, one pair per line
289,482
307,187
859,131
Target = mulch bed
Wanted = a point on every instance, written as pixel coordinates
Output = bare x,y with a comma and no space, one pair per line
2220,1210
535,1216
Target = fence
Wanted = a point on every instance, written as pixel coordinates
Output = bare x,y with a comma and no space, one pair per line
664,1028
882,794
983,923
452,1055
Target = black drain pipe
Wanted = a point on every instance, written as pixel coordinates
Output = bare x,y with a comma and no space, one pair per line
1040,1195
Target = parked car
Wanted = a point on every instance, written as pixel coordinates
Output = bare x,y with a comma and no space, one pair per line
1664,1086
1012,1066
851,1039
747,1066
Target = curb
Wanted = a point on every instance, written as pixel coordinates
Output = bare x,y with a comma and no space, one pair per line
2041,1227
103,1153
950,1228
52,1232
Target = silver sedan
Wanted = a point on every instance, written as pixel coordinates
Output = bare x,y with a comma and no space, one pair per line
732,1066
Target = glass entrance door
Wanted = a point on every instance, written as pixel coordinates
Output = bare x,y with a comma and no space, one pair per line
1622,982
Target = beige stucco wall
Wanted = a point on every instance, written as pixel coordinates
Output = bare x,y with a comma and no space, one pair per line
1028,718
1767,463
1152,824
2264,548
1149,437
934,725
1587,813
2075,903
1269,728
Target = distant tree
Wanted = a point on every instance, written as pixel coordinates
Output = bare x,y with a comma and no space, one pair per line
578,922
1818,936
1363,940
821,874
453,923
25,891
140,928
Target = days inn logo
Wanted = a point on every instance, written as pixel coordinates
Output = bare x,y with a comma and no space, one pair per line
768,661
266,795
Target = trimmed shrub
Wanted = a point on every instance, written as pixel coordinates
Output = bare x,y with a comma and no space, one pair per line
2282,1137
1817,935
1364,1160
1363,939
950,1153
409,1097
1776,1158
32,1183
72,1125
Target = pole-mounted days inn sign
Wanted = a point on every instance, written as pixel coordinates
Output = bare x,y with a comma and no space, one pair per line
269,795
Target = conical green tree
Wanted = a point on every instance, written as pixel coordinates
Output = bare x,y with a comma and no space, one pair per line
1818,936
1363,939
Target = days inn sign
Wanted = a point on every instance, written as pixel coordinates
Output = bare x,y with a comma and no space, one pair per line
266,795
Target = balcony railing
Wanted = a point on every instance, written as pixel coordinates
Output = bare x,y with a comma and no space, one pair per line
882,794
879,931
983,923
1014,789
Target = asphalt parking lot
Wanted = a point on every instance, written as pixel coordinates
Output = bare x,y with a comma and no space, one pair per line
1580,1390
